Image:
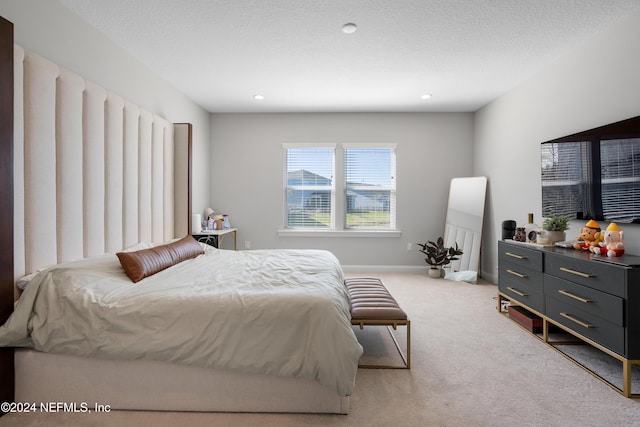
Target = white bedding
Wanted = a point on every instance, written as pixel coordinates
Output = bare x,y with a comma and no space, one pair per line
282,313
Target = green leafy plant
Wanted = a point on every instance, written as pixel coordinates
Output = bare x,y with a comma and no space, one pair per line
439,255
556,223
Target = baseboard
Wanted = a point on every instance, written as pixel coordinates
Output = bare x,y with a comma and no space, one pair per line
384,269
491,278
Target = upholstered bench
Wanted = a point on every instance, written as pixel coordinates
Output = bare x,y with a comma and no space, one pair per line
372,304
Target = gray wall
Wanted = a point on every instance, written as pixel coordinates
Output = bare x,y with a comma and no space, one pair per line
246,176
52,31
596,84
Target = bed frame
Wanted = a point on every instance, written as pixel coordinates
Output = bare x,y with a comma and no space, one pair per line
6,195
94,173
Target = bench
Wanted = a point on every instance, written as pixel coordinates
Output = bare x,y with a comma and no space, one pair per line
372,304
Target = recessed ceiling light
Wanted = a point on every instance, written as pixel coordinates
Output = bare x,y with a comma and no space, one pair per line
258,97
426,96
349,28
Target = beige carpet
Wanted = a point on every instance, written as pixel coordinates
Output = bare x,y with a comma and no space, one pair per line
378,345
470,367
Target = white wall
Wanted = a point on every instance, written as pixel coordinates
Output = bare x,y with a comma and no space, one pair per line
52,31
596,84
247,163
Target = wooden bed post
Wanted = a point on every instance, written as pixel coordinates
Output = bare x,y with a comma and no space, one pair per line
6,207
182,175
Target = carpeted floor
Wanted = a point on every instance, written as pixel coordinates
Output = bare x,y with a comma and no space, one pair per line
470,367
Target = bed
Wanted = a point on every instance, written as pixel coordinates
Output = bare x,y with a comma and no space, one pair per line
94,174
276,313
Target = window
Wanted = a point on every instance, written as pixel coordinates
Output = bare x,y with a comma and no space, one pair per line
308,187
364,188
370,187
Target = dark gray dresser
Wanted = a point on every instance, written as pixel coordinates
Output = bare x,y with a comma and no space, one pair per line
593,297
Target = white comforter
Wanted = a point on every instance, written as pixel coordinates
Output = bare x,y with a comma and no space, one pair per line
282,312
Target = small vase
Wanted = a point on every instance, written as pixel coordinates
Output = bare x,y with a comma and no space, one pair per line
435,272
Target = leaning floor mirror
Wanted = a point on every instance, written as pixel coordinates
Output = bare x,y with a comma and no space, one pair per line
465,215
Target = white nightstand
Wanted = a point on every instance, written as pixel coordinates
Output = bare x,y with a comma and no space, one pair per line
215,237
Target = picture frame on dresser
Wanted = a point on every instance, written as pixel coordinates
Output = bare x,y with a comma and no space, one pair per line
584,295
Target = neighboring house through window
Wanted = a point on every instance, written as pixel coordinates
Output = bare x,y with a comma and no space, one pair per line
308,184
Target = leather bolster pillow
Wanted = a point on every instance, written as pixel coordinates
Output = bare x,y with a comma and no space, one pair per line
147,262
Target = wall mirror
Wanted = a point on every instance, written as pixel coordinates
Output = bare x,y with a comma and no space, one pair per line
465,216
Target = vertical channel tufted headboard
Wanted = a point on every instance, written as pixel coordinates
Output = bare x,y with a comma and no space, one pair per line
93,172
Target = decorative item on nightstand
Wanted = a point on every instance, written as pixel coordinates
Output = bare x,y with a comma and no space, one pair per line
438,256
217,222
555,227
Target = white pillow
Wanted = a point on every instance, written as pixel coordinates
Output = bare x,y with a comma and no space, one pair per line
22,282
462,276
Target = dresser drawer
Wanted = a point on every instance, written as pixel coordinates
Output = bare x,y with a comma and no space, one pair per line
586,324
520,255
598,303
522,284
594,274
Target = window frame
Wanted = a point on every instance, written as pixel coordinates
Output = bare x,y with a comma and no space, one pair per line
339,196
287,186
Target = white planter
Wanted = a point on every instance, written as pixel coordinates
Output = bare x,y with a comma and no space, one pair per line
435,272
555,236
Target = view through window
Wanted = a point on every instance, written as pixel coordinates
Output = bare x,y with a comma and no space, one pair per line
367,189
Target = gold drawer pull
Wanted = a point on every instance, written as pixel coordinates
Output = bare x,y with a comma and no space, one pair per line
517,292
515,273
514,255
570,295
579,322
577,273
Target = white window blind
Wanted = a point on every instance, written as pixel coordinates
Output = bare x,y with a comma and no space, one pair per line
370,187
620,179
309,186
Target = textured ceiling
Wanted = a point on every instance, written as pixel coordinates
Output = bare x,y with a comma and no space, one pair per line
465,52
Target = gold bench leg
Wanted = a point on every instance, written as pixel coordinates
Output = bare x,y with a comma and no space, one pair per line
406,359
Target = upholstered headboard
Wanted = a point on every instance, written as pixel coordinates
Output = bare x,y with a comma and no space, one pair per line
94,173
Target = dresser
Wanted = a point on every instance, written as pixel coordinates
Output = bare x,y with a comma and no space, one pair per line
593,297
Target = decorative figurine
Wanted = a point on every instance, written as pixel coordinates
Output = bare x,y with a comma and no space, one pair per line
590,236
612,244
520,235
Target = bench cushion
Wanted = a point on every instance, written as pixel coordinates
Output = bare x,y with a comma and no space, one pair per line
370,300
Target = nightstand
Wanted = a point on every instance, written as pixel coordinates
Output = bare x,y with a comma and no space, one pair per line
215,237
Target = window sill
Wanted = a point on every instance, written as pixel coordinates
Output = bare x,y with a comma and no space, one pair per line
339,233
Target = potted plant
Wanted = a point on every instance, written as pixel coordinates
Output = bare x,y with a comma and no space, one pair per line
555,227
438,256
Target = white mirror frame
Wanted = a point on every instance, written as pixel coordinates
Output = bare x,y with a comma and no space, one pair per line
465,217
